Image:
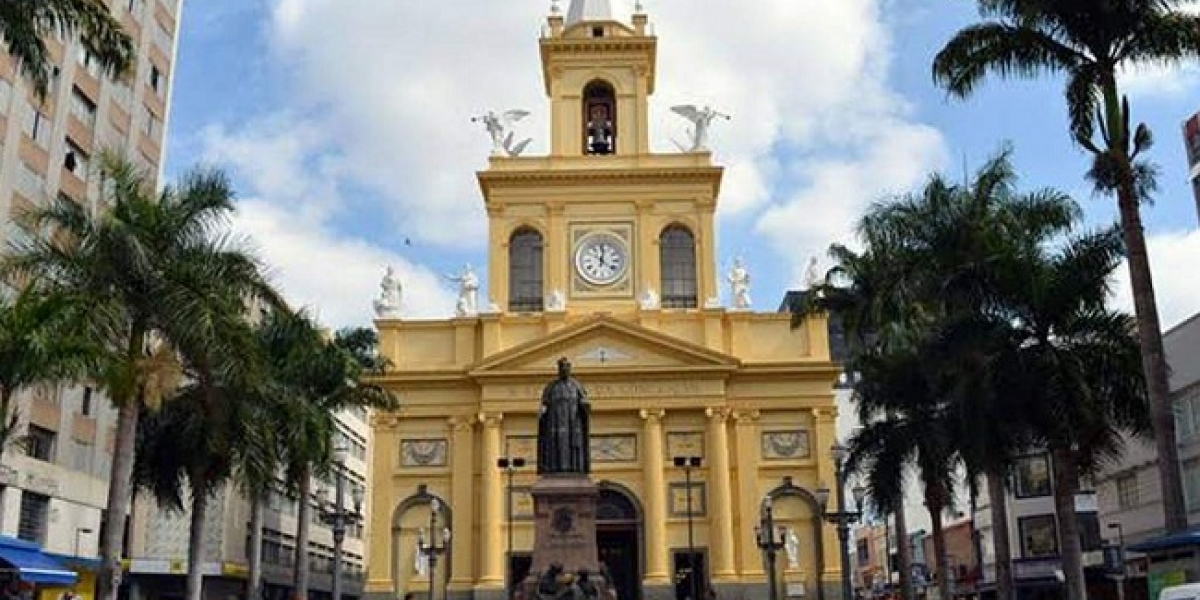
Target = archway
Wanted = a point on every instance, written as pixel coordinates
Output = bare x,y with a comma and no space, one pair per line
411,523
797,509
619,538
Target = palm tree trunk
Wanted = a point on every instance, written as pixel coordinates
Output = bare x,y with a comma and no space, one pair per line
119,493
1001,542
195,574
1154,362
8,418
1066,483
254,580
300,576
935,504
904,556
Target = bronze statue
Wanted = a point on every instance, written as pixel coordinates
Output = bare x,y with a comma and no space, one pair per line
563,425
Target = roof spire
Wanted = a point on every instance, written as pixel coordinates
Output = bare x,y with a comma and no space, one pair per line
589,10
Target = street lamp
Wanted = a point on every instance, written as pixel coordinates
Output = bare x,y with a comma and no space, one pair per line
510,465
432,548
687,463
764,537
80,531
842,518
337,517
1120,576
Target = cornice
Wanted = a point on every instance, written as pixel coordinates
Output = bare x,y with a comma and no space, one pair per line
492,179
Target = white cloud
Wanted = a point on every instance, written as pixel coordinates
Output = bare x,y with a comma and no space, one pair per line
1161,81
1172,264
806,76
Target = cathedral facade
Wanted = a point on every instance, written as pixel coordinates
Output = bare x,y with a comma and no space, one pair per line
702,415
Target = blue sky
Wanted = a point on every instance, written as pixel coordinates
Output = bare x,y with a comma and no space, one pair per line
348,132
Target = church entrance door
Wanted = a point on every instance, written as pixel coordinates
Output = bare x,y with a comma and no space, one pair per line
618,541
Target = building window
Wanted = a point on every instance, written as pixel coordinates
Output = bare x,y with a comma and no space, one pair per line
37,127
1033,476
34,510
88,61
677,263
83,108
40,443
29,182
1127,491
525,271
1039,537
1191,483
76,161
155,79
85,407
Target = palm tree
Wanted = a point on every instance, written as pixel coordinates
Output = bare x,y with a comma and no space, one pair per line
1089,43
25,24
162,279
37,346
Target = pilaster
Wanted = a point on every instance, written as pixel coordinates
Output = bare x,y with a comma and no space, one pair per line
722,498
825,427
462,501
492,495
656,505
746,430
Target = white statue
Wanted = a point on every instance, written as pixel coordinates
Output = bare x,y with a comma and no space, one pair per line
701,119
739,285
468,287
420,557
649,300
793,549
497,126
556,301
812,276
387,306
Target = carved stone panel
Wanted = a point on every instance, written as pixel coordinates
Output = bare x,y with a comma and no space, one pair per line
679,499
617,448
684,443
522,446
785,445
423,452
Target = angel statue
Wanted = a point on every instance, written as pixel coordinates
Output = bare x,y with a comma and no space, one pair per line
701,119
387,306
739,285
498,127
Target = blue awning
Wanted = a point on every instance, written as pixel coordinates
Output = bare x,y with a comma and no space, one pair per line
31,564
1184,539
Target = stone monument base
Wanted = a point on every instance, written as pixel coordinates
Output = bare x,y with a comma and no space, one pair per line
565,563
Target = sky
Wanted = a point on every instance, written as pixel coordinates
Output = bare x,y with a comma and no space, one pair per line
346,125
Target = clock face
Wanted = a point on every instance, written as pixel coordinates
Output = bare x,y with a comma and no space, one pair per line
601,259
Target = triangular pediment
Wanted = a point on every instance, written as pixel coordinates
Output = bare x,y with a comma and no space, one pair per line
606,344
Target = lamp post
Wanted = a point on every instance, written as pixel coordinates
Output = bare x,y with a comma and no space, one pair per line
841,517
79,531
764,537
1120,576
509,466
433,548
337,517
687,463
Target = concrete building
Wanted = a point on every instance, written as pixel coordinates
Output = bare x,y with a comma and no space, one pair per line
159,538
604,252
1191,142
51,493
1130,495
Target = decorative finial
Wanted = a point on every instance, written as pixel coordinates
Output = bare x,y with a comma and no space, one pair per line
554,9
638,8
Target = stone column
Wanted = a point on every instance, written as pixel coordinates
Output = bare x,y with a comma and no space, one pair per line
722,503
748,445
656,505
462,503
491,547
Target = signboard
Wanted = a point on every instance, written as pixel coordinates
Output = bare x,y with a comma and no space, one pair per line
1158,581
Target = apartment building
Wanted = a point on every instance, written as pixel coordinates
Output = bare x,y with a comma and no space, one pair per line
1191,142
53,488
159,538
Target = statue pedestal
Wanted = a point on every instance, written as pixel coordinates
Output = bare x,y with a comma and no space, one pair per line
565,560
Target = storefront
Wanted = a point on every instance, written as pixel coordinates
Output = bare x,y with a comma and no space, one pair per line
26,572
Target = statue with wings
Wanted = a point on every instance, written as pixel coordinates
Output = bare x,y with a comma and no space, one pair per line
499,127
701,119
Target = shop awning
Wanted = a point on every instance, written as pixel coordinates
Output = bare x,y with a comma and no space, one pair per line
31,564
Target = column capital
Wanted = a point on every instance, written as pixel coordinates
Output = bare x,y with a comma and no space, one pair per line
490,419
746,417
652,415
719,413
460,423
825,413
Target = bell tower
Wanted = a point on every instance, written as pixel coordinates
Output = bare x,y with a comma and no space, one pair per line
601,223
599,74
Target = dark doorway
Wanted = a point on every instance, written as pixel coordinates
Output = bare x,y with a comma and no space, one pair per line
518,569
618,549
691,577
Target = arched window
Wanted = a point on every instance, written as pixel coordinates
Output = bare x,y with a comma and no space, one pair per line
599,118
525,271
677,263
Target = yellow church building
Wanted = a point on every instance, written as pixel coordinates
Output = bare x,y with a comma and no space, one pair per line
604,252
